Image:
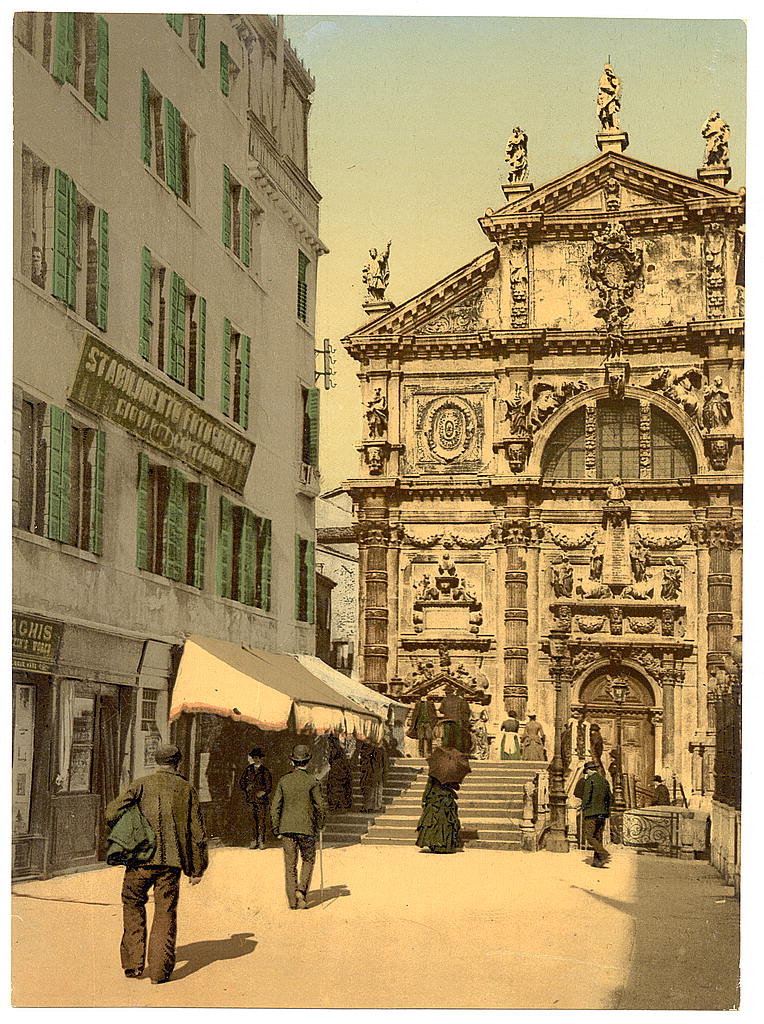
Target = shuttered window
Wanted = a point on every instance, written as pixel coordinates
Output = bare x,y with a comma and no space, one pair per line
176,362
225,548
175,21
302,286
59,423
75,482
97,494
235,375
102,304
63,60
201,345
172,140
102,67
304,579
64,238
244,556
146,134
225,398
225,83
165,140
200,38
144,332
243,374
171,524
313,425
246,221
226,207
263,596
142,510
80,244
81,57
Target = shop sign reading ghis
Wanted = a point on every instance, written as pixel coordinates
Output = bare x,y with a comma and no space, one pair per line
111,385
35,642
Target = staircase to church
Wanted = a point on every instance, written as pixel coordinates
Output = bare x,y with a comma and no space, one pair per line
490,805
344,828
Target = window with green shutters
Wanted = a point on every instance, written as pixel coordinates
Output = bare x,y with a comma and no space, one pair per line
64,238
36,219
313,425
176,361
302,286
80,252
197,31
225,82
175,21
304,579
75,482
235,375
171,523
166,140
81,57
244,556
238,218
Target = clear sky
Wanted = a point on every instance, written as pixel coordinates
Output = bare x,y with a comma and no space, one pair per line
409,125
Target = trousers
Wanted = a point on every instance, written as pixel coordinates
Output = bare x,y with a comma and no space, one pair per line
593,828
306,845
260,821
135,893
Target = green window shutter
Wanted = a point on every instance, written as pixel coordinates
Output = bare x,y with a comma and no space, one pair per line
144,335
102,67
55,482
297,567
200,40
313,419
201,333
71,284
175,21
145,119
245,232
177,354
103,269
61,236
175,528
96,494
244,382
63,60
225,548
265,564
142,521
225,84
302,285
246,558
225,398
310,558
226,207
171,146
200,535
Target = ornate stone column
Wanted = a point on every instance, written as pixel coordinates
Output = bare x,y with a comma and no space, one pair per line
515,534
373,538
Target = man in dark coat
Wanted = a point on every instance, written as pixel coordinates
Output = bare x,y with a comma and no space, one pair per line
421,728
595,747
298,814
452,713
595,810
257,784
661,795
171,807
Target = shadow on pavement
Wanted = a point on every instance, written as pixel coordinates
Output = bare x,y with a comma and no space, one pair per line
331,892
201,954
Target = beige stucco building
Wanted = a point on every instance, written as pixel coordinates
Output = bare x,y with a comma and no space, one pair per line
599,336
165,409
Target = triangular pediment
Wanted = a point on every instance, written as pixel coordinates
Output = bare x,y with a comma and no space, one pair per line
585,188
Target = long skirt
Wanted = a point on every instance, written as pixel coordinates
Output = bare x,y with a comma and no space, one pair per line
510,747
439,827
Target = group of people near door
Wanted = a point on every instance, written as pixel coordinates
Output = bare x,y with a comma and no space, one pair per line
453,724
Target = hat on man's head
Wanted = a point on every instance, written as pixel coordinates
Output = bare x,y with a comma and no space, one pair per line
256,752
657,778
167,753
590,766
301,754
594,726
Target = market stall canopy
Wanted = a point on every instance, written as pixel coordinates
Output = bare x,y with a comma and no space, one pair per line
263,689
370,699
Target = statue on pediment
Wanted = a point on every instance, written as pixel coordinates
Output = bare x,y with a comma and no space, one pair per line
716,132
376,274
517,156
377,414
609,99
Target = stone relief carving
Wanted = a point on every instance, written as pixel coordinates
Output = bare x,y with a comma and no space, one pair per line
642,625
666,542
376,274
714,243
590,441
568,543
671,585
648,661
592,591
446,540
518,408
719,450
450,430
518,531
549,395
582,659
591,623
459,319
716,132
616,621
683,388
615,270
377,414
517,156
645,439
642,591
718,533
517,453
376,457
518,282
612,193
717,408
562,579
609,99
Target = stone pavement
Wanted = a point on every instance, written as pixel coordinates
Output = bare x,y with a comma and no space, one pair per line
399,928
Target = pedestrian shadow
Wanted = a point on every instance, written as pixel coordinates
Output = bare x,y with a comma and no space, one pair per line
201,954
332,892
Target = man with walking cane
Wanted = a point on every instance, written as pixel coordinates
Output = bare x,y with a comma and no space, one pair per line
298,814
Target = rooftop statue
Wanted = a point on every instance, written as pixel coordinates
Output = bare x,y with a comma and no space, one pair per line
376,274
609,99
716,132
517,156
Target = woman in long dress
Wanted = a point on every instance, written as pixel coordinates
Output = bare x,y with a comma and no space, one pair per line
439,827
510,740
533,741
339,782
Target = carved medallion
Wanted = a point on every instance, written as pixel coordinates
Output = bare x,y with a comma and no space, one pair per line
450,432
460,319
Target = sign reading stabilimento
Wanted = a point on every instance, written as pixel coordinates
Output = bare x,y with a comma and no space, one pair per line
111,385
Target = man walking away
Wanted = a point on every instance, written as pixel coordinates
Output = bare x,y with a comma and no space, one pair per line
298,814
595,810
171,807
257,784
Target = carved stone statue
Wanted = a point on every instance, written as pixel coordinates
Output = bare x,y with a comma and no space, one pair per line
376,274
377,414
716,132
595,566
671,587
616,491
717,408
681,388
593,591
642,591
612,191
713,252
518,408
517,156
562,579
638,562
609,99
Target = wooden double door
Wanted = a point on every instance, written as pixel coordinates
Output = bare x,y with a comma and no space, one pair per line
637,741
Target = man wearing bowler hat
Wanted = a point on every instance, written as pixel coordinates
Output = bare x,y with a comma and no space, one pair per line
298,813
170,805
595,810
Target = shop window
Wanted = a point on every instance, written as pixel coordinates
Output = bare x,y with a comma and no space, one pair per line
77,740
171,523
304,579
150,735
24,696
166,140
235,375
244,556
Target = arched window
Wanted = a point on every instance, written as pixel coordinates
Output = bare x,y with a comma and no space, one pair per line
617,450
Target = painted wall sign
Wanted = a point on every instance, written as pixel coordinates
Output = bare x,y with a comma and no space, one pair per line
35,643
111,385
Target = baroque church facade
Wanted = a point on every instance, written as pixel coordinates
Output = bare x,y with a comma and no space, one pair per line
550,492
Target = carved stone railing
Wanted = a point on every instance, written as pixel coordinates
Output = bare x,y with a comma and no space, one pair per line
618,616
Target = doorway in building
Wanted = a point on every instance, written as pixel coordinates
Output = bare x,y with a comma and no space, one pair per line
637,729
